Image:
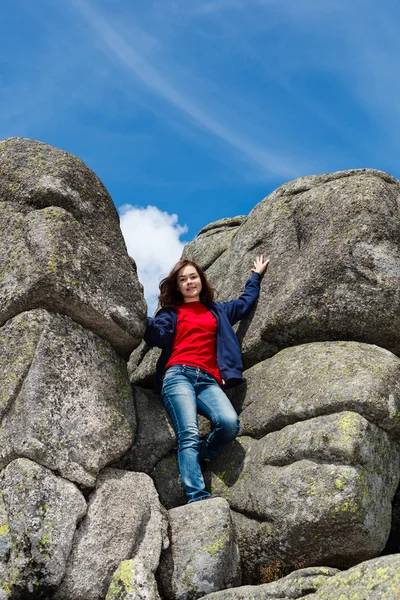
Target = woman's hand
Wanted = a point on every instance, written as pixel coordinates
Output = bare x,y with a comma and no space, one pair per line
260,265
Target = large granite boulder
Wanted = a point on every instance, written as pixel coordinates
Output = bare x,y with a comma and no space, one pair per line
39,513
154,437
124,521
298,584
378,578
212,241
65,396
61,246
371,580
133,581
203,555
321,378
315,492
334,272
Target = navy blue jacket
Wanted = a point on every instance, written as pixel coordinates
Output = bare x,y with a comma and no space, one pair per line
161,330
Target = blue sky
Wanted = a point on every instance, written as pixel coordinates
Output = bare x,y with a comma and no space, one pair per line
198,108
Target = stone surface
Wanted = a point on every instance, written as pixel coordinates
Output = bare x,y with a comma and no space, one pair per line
167,481
321,488
212,241
372,580
142,370
316,379
39,515
334,273
295,585
62,248
203,556
124,521
65,396
155,436
132,581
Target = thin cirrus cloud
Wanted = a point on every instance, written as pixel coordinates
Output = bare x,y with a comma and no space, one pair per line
129,56
153,239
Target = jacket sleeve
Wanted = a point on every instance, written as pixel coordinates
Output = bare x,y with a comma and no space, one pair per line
159,330
240,308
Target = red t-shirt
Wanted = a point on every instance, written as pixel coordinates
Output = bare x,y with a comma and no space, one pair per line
194,343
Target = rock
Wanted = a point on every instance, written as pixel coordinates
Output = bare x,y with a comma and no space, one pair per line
133,582
65,396
203,555
43,511
295,585
321,488
62,248
143,374
378,578
212,241
155,436
135,579
321,378
168,483
334,271
124,520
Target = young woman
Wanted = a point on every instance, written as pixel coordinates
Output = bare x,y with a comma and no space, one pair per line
200,358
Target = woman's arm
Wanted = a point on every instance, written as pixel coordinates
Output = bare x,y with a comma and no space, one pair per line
236,310
159,329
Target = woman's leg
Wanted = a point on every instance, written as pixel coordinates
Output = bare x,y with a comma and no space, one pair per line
179,399
213,404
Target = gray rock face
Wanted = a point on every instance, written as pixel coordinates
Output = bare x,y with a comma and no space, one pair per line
65,396
321,378
167,481
155,436
61,246
36,537
132,581
334,272
124,520
321,489
203,555
378,578
295,585
212,241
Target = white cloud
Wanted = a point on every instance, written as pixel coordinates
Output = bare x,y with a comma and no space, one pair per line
153,239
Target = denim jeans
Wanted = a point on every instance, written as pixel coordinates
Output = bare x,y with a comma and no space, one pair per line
187,392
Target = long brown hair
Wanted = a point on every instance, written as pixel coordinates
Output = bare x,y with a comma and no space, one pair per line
169,293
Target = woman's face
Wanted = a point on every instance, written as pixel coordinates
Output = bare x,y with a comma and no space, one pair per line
189,283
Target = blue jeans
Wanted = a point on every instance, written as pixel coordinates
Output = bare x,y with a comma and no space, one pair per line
187,392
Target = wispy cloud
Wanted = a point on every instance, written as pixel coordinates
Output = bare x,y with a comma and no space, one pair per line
268,160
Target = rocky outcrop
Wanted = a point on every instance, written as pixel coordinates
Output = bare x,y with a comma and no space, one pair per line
203,556
67,401
212,241
155,436
124,519
310,479
296,585
39,513
379,578
61,247
318,491
334,271
71,309
310,380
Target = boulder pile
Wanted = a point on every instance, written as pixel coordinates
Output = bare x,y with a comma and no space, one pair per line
91,506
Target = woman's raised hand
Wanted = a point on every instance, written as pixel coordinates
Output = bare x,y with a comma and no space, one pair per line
260,265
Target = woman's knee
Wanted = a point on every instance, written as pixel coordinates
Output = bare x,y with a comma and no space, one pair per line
230,426
188,437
